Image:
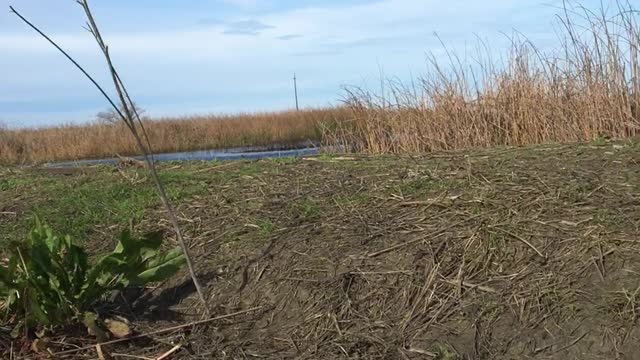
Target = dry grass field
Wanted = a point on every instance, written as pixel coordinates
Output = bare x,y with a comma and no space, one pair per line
98,140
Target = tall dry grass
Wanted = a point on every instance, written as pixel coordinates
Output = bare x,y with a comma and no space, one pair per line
98,140
586,88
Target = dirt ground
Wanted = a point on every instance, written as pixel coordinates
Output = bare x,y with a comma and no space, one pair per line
529,253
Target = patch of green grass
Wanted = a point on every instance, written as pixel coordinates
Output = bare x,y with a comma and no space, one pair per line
75,205
352,199
580,190
266,227
427,184
230,237
307,208
600,140
444,353
9,183
477,209
607,218
182,185
286,160
495,241
13,182
325,156
251,169
572,308
249,232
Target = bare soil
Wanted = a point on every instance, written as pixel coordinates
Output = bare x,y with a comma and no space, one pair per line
528,253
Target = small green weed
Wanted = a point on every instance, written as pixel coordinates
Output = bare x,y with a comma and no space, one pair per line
426,184
251,169
15,182
496,241
607,218
352,200
307,208
8,184
286,160
266,227
48,281
444,353
325,156
601,140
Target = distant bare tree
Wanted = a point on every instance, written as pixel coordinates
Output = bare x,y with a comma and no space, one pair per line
111,117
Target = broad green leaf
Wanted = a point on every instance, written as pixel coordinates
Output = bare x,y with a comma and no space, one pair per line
48,279
124,243
76,261
148,254
163,266
35,310
52,241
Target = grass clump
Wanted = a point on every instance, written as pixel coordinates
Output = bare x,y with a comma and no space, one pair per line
285,160
266,227
306,208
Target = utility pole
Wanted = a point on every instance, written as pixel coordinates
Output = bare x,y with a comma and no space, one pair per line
295,89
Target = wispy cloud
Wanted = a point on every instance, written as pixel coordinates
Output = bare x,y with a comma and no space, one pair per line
289,37
245,4
246,27
314,53
388,43
340,41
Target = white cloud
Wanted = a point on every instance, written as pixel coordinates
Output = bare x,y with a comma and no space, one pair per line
246,4
326,46
398,18
246,27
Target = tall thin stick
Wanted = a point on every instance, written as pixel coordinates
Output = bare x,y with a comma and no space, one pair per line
131,118
295,90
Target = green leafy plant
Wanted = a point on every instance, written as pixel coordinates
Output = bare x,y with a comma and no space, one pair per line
48,281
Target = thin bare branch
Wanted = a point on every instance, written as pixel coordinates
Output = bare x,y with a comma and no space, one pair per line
131,118
161,331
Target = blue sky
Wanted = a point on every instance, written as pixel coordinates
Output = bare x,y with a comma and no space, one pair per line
191,57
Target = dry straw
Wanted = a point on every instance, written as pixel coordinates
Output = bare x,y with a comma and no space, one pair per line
177,134
588,87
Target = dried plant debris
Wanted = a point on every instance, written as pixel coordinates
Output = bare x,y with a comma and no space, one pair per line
496,254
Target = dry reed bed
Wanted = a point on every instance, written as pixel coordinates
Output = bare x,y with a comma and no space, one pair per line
586,88
280,129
